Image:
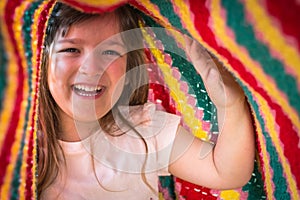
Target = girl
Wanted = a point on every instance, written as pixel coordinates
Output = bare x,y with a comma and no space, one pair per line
99,138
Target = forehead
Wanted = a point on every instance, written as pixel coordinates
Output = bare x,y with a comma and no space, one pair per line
98,27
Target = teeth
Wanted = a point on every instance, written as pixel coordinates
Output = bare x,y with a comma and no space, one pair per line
87,88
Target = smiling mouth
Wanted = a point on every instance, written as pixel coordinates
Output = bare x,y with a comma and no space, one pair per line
88,90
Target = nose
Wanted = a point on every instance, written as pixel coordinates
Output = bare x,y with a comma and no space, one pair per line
91,65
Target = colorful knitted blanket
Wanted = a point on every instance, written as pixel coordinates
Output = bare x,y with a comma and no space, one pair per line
257,41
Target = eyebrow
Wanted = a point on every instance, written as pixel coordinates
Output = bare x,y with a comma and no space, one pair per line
115,42
80,41
71,40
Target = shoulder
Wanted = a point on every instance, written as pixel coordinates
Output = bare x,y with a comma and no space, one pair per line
153,122
156,113
163,125
149,114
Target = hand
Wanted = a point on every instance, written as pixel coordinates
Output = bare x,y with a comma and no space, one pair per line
223,90
236,141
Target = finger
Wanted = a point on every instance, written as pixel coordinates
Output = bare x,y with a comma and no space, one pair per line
208,70
192,48
215,87
188,42
199,57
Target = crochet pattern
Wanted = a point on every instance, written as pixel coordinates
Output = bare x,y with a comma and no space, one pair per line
257,41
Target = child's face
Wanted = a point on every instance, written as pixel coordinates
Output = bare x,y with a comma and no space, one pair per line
85,78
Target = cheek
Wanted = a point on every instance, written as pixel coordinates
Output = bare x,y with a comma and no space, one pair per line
60,71
55,82
117,70
60,75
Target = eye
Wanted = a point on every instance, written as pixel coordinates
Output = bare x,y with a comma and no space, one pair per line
111,53
70,50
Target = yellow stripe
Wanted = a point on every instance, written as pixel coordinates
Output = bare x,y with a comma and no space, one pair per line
220,28
185,14
100,4
179,97
10,90
264,155
190,27
32,125
19,131
23,171
19,12
263,24
229,43
184,10
34,156
2,6
160,196
8,103
152,8
271,126
230,195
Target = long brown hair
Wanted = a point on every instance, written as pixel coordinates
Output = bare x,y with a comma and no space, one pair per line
48,147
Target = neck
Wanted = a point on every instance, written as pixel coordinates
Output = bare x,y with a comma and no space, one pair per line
73,131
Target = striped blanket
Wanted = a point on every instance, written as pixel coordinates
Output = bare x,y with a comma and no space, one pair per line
258,41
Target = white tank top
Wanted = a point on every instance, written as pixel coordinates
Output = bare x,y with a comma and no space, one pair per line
114,170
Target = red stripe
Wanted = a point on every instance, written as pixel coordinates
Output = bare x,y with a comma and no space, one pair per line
31,143
287,13
94,9
12,128
29,167
201,16
287,134
187,191
157,86
145,10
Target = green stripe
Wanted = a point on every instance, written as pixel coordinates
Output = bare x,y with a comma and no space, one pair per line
192,78
196,86
255,187
26,30
188,74
279,180
166,9
3,66
167,182
259,52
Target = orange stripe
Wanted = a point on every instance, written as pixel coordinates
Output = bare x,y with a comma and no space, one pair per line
228,42
100,4
187,111
32,125
263,24
270,124
10,90
264,155
10,96
154,10
2,6
19,130
185,15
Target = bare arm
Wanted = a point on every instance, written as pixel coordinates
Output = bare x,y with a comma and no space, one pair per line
229,163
